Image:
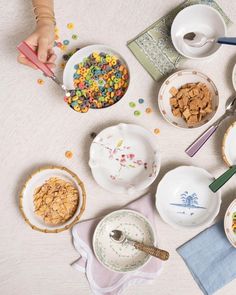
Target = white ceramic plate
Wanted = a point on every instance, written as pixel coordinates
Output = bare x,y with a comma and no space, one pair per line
78,57
124,158
122,257
234,77
229,145
177,80
230,222
197,18
184,200
37,179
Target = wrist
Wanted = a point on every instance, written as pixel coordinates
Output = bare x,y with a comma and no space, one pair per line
45,22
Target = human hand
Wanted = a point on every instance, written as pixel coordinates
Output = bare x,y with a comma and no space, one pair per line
41,40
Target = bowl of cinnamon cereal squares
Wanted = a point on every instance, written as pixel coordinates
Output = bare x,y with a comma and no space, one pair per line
52,199
188,99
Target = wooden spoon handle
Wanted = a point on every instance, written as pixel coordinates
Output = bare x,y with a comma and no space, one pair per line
153,251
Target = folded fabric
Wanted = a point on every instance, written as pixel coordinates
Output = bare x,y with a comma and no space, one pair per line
102,280
210,258
153,47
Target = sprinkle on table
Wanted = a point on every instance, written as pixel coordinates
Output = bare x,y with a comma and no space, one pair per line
132,104
40,81
141,100
137,113
66,42
74,37
70,26
157,131
68,154
148,110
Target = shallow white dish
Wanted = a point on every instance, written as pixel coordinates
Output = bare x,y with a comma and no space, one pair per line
177,80
122,257
229,145
124,158
184,200
197,18
37,179
234,77
78,57
229,220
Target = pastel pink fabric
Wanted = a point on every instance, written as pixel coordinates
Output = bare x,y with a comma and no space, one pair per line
102,280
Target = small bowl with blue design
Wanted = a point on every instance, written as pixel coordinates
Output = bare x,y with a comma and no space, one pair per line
123,257
184,199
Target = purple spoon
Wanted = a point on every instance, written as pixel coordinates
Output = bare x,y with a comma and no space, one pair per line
230,110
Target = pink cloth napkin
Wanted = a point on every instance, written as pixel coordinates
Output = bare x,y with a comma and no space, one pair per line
102,280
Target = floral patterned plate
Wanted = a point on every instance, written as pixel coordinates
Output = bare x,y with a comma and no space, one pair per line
184,200
230,223
124,158
122,257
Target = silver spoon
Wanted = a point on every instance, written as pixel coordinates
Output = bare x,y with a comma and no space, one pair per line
230,110
119,237
195,39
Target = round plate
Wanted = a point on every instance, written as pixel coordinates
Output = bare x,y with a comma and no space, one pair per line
184,200
197,18
230,223
122,257
177,80
229,145
124,158
234,77
78,57
37,179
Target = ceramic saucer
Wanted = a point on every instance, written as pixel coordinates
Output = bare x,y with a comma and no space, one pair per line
124,158
184,200
122,257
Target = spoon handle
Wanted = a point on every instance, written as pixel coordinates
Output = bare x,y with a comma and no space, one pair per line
221,180
200,141
227,40
153,251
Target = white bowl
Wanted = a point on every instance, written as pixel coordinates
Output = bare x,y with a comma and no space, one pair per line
229,145
122,257
234,77
124,158
177,80
197,18
230,215
37,179
184,200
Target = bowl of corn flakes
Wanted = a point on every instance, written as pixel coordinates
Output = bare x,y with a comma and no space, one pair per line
52,199
230,223
188,99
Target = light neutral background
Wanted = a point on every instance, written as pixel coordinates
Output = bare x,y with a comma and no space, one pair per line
36,128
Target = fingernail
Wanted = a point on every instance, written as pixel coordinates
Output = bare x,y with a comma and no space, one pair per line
42,57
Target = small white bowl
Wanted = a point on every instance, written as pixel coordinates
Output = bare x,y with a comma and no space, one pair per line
123,257
177,80
184,200
230,216
197,18
229,145
37,179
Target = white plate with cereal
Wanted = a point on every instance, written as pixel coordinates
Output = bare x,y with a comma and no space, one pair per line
52,199
188,99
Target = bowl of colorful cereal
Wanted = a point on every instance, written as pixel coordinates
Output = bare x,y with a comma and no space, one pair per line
188,99
230,223
99,77
52,199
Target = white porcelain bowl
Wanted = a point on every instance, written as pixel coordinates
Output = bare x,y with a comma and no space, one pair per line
177,80
201,19
184,200
230,223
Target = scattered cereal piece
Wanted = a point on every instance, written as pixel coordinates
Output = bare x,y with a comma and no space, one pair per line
132,104
40,81
56,201
141,100
70,26
137,113
192,102
56,37
68,154
157,131
66,42
74,37
63,65
148,110
56,30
